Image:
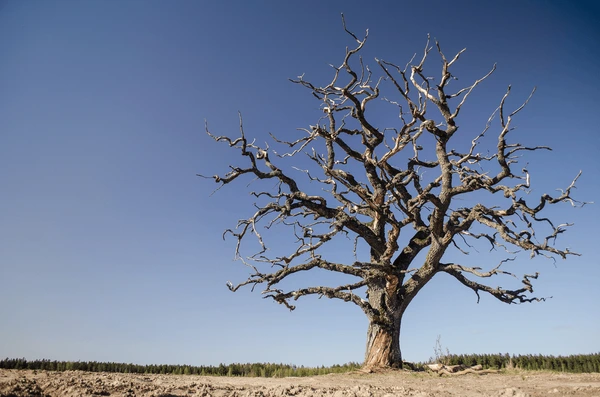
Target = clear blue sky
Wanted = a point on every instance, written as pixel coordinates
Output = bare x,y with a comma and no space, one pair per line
110,246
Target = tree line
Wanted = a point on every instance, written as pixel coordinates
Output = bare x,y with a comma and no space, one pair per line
250,370
577,363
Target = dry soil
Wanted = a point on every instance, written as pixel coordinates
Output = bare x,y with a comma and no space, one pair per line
17,383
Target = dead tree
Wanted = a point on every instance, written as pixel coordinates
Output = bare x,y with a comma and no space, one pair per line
376,190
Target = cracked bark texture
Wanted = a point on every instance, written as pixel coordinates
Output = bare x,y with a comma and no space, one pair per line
375,188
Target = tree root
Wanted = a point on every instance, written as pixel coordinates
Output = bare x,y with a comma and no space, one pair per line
454,370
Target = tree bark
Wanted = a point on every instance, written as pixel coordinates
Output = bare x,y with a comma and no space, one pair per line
383,346
383,335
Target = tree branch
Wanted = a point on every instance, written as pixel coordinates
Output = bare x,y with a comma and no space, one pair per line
378,180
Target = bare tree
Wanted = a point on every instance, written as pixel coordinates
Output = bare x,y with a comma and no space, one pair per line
375,188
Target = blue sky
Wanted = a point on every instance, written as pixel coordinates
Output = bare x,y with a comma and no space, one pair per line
110,246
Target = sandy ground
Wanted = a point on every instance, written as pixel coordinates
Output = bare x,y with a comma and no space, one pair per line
17,383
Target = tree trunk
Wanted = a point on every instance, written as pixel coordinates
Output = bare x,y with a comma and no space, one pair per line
383,335
383,346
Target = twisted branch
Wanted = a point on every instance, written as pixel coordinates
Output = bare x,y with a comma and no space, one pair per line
375,186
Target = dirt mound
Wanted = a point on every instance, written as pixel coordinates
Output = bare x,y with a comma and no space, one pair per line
22,383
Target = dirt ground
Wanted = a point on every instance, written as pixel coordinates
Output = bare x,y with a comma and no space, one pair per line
17,383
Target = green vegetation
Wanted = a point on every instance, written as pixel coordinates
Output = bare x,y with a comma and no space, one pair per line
575,363
251,370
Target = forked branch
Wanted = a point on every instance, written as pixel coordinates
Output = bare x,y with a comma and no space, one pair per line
375,184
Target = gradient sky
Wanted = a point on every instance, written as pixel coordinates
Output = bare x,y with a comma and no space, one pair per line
110,246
